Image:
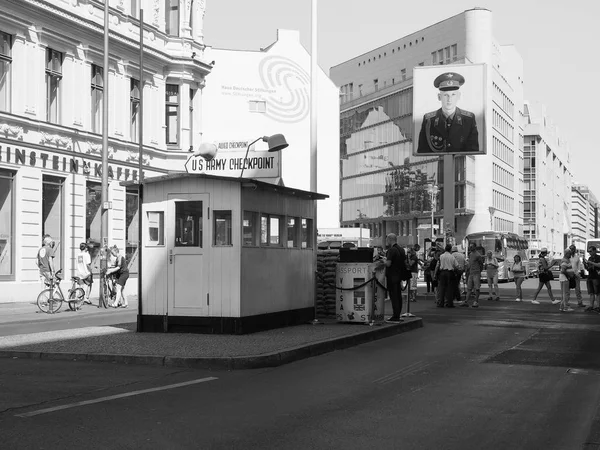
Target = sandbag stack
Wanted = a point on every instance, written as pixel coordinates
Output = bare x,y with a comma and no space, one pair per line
326,266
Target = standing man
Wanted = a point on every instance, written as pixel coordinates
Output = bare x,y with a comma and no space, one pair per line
593,281
578,269
474,277
45,259
449,129
84,268
461,260
448,266
395,265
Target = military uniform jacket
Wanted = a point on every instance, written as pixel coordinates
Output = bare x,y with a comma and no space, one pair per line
436,137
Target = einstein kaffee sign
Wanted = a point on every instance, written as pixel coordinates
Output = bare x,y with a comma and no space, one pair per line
231,163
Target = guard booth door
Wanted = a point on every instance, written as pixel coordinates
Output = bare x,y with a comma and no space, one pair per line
187,237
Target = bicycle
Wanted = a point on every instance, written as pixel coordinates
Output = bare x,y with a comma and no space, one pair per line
110,291
50,300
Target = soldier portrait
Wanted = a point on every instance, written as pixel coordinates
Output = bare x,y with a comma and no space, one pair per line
450,128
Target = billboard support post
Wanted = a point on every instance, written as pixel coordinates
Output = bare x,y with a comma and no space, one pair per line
448,198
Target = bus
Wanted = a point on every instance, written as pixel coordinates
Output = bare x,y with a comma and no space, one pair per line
504,247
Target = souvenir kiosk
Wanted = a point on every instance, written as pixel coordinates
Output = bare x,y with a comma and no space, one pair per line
225,255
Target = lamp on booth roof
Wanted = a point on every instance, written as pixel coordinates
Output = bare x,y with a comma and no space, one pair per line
276,143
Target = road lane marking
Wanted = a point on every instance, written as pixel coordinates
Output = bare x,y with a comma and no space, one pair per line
419,365
114,397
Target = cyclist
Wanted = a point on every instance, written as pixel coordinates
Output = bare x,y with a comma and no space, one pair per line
84,269
45,259
121,272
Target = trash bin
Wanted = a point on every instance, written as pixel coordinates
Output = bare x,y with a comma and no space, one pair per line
359,298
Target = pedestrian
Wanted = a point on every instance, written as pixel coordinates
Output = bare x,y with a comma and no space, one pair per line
544,277
428,268
45,259
592,265
566,274
395,266
447,268
84,269
578,271
518,271
491,270
121,272
435,265
461,260
413,265
475,266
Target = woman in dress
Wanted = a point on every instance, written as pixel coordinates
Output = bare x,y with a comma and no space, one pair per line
121,272
544,278
566,273
518,271
491,269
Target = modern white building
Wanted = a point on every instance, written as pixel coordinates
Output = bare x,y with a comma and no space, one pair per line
271,95
548,180
376,126
52,85
584,215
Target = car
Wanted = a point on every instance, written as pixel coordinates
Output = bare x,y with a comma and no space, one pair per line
555,268
533,267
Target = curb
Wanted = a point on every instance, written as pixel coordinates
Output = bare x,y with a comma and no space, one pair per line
273,359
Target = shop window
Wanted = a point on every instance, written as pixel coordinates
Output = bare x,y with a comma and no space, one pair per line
7,225
134,109
5,64
222,228
97,95
307,235
52,214
93,218
189,226
132,218
156,228
172,17
293,232
53,78
249,234
172,114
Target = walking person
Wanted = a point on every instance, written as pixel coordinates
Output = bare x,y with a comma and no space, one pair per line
518,271
447,268
474,268
544,278
491,270
412,262
84,269
428,268
578,271
121,272
461,260
566,274
395,265
592,265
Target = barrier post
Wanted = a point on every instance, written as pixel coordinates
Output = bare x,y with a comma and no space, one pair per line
407,313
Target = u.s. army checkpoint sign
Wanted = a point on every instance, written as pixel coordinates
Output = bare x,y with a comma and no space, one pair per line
258,164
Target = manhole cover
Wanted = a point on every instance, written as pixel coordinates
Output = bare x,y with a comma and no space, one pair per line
576,349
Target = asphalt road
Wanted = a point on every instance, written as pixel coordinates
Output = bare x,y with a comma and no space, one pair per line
505,376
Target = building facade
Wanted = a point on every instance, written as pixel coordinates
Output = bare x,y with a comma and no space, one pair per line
549,214
270,96
382,185
584,213
52,85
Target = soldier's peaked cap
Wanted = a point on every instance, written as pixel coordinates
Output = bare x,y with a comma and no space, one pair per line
449,81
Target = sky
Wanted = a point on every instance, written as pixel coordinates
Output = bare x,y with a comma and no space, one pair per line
556,39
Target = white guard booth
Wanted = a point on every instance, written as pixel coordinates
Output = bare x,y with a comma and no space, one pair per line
225,255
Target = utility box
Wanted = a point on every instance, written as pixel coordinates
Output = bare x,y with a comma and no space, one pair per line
359,297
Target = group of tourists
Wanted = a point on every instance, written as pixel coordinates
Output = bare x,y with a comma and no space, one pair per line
117,267
444,269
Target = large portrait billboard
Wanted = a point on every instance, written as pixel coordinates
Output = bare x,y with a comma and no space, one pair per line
449,106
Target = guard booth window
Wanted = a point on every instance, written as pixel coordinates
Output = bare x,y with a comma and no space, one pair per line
222,228
188,224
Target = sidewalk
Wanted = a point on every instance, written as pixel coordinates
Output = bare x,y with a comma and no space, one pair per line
121,343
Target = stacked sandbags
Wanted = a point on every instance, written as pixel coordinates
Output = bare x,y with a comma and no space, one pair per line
326,267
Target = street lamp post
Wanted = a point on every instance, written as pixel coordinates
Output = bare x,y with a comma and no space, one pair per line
433,190
492,211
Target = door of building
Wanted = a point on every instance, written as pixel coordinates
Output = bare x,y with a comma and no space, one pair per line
188,244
